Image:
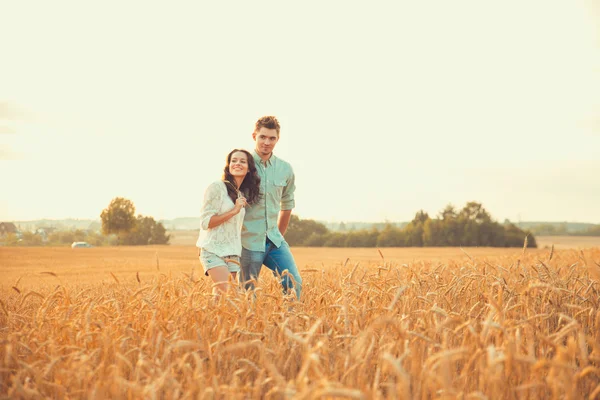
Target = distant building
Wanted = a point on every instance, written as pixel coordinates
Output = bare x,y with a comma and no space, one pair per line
44,232
7,227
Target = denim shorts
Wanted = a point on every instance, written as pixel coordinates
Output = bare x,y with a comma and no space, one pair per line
211,260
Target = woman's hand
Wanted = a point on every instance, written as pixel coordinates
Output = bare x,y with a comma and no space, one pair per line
217,220
239,204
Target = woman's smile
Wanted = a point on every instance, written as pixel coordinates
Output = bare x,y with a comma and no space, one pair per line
238,164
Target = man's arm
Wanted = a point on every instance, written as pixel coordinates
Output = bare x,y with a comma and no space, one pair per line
287,203
284,220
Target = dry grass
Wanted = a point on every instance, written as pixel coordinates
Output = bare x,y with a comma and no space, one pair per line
88,266
451,324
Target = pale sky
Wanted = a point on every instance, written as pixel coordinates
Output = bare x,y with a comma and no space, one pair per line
386,107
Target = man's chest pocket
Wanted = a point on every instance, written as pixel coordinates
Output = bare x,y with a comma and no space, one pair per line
278,186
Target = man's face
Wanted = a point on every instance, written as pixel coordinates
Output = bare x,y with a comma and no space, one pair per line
265,139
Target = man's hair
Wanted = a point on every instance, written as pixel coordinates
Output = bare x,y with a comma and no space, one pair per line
268,122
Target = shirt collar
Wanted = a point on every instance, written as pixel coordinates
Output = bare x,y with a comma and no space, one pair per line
257,158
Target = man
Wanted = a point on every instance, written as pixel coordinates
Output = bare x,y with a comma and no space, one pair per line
265,222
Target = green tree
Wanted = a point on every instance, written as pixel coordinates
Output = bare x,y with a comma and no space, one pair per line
474,211
420,217
433,233
31,239
11,239
97,239
300,230
593,230
362,238
413,234
515,236
159,234
146,231
449,228
335,239
66,237
315,240
449,213
118,217
472,226
391,236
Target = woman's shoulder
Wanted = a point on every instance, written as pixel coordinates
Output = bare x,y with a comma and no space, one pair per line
217,186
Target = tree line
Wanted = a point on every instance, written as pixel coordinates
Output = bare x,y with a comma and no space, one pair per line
564,229
470,226
119,219
58,238
591,231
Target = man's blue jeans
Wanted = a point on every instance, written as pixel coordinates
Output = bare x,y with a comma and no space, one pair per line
277,260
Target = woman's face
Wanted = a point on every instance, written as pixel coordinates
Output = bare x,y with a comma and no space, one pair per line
238,166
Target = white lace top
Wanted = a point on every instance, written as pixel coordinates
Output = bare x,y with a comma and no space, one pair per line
225,239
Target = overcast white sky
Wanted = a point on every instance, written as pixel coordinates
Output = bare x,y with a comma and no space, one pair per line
386,107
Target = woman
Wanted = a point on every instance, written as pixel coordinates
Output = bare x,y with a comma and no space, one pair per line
222,215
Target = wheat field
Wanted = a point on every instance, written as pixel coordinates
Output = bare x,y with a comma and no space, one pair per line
447,323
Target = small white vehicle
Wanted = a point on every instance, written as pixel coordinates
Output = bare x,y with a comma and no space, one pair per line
80,244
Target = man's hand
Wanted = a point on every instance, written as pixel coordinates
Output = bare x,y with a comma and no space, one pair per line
284,220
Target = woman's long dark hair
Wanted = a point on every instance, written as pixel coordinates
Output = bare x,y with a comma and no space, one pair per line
250,186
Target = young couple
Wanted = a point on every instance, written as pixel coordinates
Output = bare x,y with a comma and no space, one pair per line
245,215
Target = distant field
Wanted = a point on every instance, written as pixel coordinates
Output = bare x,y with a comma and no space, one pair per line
83,266
96,264
568,242
188,238
183,238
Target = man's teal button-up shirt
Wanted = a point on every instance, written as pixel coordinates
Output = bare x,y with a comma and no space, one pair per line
277,186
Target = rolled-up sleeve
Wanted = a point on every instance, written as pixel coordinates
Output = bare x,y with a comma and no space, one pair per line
213,199
287,197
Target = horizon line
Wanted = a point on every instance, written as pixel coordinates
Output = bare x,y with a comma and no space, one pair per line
314,219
